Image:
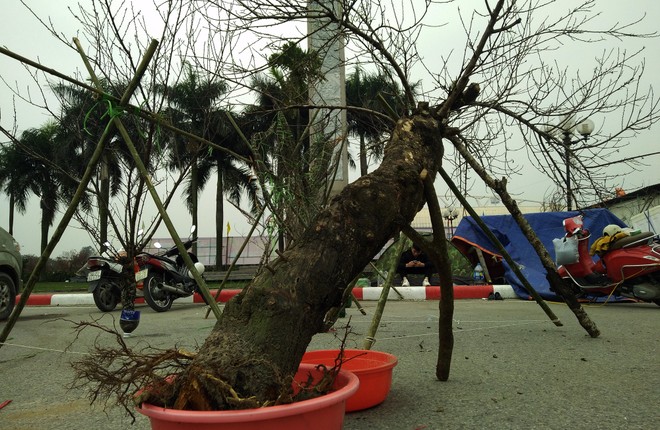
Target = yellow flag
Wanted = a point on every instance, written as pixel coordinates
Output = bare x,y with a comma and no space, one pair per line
228,228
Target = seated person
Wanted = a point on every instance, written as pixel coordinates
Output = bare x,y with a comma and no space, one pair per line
414,261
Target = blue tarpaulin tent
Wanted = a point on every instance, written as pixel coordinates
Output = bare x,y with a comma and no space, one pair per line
546,225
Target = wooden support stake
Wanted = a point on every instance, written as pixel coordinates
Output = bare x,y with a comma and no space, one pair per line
378,314
500,248
357,304
382,275
482,261
233,263
73,205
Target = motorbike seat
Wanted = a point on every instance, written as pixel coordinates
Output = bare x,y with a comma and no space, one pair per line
630,241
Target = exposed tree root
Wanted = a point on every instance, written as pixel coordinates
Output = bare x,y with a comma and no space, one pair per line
114,375
119,375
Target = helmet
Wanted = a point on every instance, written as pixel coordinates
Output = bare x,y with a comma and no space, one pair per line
611,230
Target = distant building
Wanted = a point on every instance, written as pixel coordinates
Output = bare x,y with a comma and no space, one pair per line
422,221
254,250
627,205
251,255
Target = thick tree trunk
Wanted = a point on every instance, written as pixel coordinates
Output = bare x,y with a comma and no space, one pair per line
265,330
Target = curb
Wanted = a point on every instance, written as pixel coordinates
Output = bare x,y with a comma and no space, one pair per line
433,292
367,293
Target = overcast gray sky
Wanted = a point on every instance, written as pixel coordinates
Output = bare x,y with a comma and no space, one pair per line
19,32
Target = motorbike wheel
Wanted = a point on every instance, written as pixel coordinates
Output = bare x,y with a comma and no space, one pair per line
7,296
157,299
106,296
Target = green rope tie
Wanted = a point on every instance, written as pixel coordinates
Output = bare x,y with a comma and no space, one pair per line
112,111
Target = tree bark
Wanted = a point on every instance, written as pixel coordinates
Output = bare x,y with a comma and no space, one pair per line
436,249
264,331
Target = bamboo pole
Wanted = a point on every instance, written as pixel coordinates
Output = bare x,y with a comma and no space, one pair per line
358,305
233,263
73,205
500,248
482,261
382,275
136,110
332,315
183,252
370,339
156,199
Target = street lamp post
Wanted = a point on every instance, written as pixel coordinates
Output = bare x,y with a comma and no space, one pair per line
568,128
450,214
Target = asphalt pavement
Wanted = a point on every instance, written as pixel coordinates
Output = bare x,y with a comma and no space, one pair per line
511,368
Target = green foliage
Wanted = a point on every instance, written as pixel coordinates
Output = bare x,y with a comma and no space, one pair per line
381,102
60,269
460,266
60,287
298,67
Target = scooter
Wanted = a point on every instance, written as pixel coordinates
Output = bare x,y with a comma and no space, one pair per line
628,266
104,276
165,276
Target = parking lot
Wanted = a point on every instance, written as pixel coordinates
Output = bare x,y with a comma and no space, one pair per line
511,367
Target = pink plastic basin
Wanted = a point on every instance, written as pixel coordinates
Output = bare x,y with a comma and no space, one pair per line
323,413
373,368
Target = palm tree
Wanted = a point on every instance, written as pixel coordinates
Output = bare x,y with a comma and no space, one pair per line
233,178
193,107
82,122
13,174
378,93
39,173
277,125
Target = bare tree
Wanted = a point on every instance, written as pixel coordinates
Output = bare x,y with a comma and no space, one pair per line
490,104
491,91
114,52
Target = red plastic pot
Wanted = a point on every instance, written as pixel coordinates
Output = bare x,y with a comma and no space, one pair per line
373,368
322,413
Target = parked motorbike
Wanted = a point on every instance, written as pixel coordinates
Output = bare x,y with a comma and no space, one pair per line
165,276
104,277
628,264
